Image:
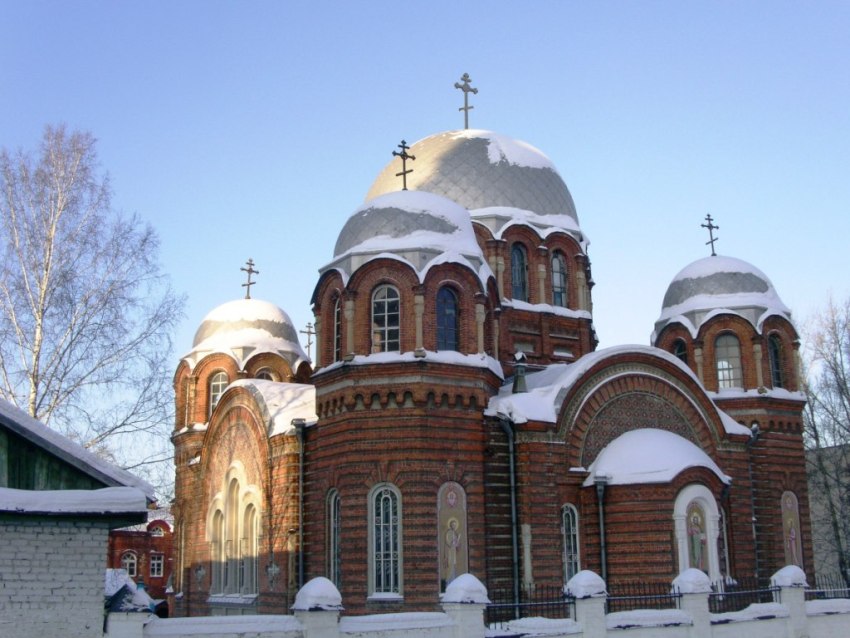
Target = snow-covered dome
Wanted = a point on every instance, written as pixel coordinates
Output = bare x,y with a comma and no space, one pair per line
419,228
718,284
649,455
246,327
498,179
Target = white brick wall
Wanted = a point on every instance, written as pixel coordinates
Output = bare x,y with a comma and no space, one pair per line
51,578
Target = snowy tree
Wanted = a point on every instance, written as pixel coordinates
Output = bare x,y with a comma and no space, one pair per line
827,420
86,312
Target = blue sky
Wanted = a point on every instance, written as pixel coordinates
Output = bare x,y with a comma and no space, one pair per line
254,129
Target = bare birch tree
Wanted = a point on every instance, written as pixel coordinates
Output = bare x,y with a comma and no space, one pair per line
827,420
86,312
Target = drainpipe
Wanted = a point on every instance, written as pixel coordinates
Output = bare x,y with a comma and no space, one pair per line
507,427
299,431
601,481
754,437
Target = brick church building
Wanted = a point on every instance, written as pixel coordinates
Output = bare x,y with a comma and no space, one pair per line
459,418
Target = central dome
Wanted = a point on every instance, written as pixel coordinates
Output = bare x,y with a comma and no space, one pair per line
480,169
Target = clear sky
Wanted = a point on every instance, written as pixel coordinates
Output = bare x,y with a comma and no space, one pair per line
254,129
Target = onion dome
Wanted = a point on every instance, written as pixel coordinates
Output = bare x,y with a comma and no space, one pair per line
500,180
715,285
420,229
244,328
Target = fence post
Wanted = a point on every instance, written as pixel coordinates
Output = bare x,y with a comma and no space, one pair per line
792,583
317,606
695,586
589,591
464,602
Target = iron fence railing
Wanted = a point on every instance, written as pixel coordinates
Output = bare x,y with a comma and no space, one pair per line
829,586
734,595
629,595
546,602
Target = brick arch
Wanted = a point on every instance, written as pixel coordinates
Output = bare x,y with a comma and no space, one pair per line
236,433
617,398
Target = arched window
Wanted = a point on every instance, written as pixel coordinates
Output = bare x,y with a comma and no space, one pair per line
218,383
559,280
385,570
519,272
129,562
680,350
569,533
385,319
217,552
727,354
333,524
447,332
265,374
774,349
337,330
248,552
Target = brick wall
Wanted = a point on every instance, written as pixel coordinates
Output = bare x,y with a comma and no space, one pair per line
52,570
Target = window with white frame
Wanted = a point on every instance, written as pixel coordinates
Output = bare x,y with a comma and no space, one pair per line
386,314
569,536
157,531
334,554
129,562
157,565
727,354
218,383
385,556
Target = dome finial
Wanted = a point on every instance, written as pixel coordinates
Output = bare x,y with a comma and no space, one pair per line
466,91
404,155
250,270
711,228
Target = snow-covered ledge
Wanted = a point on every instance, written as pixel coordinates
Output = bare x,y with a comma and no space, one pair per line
590,592
464,602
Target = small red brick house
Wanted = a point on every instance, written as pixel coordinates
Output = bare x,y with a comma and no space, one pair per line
458,417
146,551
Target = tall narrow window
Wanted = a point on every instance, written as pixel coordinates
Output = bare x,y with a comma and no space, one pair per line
727,353
559,280
157,562
338,330
218,383
249,552
217,552
447,332
334,555
680,350
519,273
569,532
774,349
385,555
128,562
385,319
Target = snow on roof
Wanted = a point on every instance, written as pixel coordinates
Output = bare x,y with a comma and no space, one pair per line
443,356
280,403
715,285
648,455
107,500
547,388
502,148
499,218
72,453
417,227
545,307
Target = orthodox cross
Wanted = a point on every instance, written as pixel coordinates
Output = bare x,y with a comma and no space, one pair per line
711,228
250,270
404,155
309,332
466,91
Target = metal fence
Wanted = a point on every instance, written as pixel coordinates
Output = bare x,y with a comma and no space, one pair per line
829,586
546,602
735,595
629,595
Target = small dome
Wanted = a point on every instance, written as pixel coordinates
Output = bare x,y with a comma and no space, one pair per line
246,327
485,170
719,283
417,227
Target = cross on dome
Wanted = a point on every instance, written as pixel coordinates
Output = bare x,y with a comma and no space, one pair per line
250,270
467,89
711,228
404,155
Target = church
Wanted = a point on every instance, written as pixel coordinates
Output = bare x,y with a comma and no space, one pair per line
457,416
